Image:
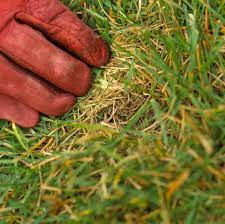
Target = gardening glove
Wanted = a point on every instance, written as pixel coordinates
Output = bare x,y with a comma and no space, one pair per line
45,51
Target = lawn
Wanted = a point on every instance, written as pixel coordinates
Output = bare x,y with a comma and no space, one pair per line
147,144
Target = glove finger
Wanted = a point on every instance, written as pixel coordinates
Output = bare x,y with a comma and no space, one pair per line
30,49
61,25
12,110
28,89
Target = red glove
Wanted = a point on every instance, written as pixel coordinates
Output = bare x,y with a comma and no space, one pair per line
32,68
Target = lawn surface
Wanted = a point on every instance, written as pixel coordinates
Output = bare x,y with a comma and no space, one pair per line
147,145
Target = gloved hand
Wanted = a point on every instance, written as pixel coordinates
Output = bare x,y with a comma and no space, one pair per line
36,75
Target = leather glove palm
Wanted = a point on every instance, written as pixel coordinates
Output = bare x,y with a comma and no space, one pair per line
36,75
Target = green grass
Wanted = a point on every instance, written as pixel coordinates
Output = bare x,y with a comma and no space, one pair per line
147,145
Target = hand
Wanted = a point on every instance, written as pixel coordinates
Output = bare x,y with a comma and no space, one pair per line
36,75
